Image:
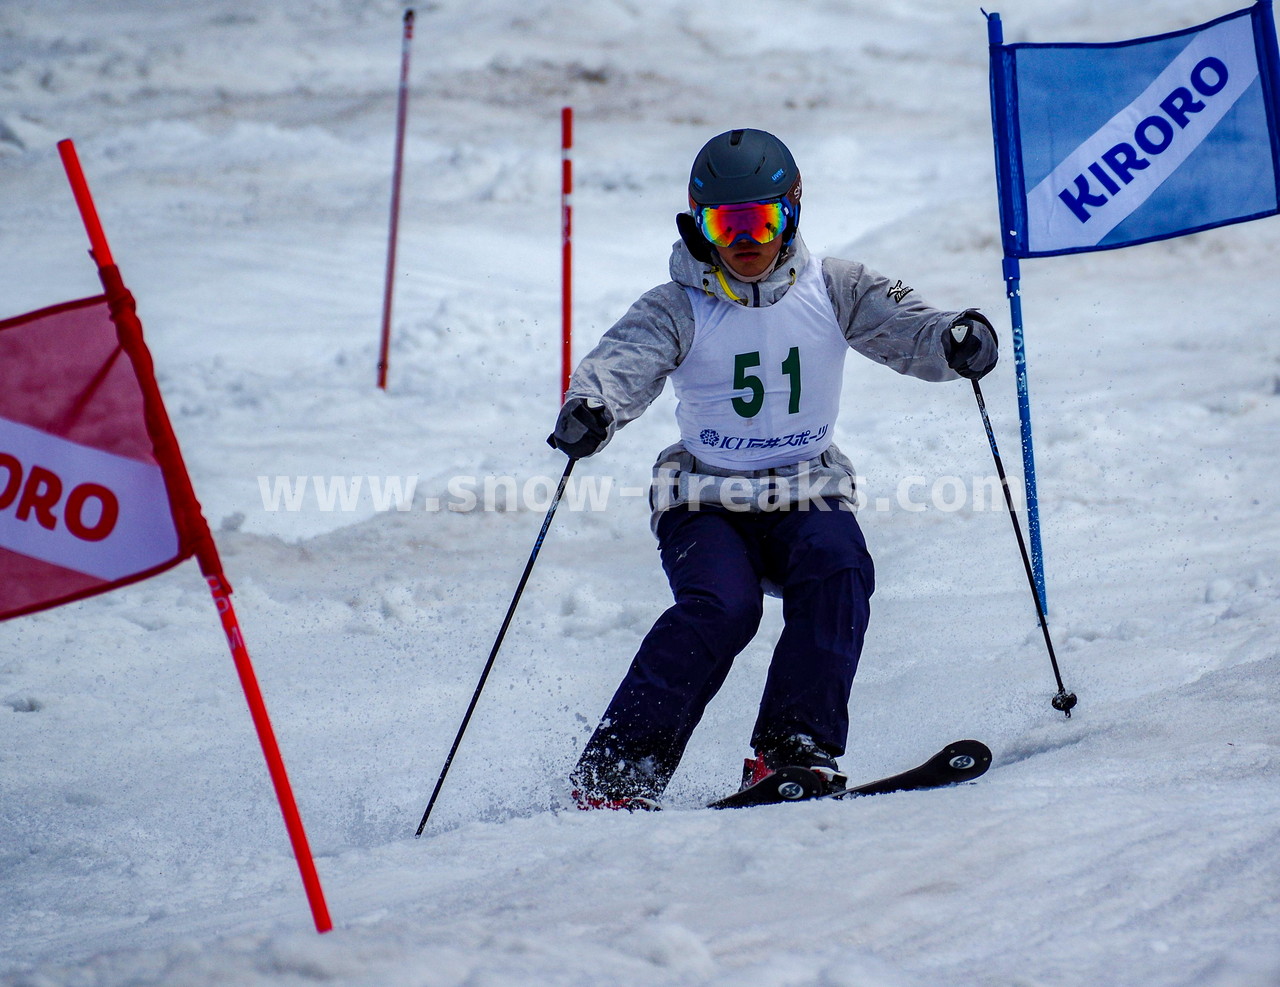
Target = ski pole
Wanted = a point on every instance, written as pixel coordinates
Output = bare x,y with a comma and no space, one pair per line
493,654
1064,700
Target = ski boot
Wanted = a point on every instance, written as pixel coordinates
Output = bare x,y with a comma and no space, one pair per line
797,751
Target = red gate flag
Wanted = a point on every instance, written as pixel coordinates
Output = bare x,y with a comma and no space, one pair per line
85,505
93,490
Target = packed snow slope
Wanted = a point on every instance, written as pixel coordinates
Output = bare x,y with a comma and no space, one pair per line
241,156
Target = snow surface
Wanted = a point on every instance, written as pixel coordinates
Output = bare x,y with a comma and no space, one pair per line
241,153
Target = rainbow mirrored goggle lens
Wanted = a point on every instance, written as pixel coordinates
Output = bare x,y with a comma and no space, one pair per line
758,221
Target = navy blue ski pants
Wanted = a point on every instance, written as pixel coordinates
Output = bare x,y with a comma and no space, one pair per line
716,561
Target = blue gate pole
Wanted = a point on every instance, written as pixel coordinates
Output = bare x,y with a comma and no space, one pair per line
1004,125
1013,280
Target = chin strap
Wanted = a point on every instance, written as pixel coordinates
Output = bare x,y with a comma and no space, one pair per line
777,263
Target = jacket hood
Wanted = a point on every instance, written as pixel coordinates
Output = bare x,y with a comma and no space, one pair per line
716,279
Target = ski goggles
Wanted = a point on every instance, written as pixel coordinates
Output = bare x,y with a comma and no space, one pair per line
758,221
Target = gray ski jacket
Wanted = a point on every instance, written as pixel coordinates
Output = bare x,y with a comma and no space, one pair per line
883,320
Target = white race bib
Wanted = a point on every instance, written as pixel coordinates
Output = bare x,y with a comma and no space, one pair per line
760,387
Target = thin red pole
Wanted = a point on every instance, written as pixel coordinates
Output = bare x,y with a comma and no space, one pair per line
192,523
566,249
98,247
402,114
271,749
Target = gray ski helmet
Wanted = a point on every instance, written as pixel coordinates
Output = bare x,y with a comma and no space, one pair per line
746,166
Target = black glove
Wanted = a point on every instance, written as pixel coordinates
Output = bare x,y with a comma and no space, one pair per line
970,345
581,428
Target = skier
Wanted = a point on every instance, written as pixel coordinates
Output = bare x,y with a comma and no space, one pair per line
754,498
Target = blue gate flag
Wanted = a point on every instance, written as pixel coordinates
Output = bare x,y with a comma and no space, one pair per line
1101,146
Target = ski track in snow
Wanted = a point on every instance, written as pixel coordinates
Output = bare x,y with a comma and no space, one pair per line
240,154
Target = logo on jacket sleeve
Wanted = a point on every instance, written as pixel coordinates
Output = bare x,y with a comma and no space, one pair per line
899,291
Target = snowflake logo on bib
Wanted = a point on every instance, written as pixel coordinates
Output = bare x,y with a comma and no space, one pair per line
709,436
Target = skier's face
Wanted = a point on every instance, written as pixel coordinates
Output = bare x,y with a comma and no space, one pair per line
749,259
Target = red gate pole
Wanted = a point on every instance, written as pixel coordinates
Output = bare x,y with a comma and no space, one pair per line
191,523
221,592
402,114
566,249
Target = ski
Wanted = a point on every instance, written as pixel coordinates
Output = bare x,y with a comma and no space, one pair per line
960,761
789,784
